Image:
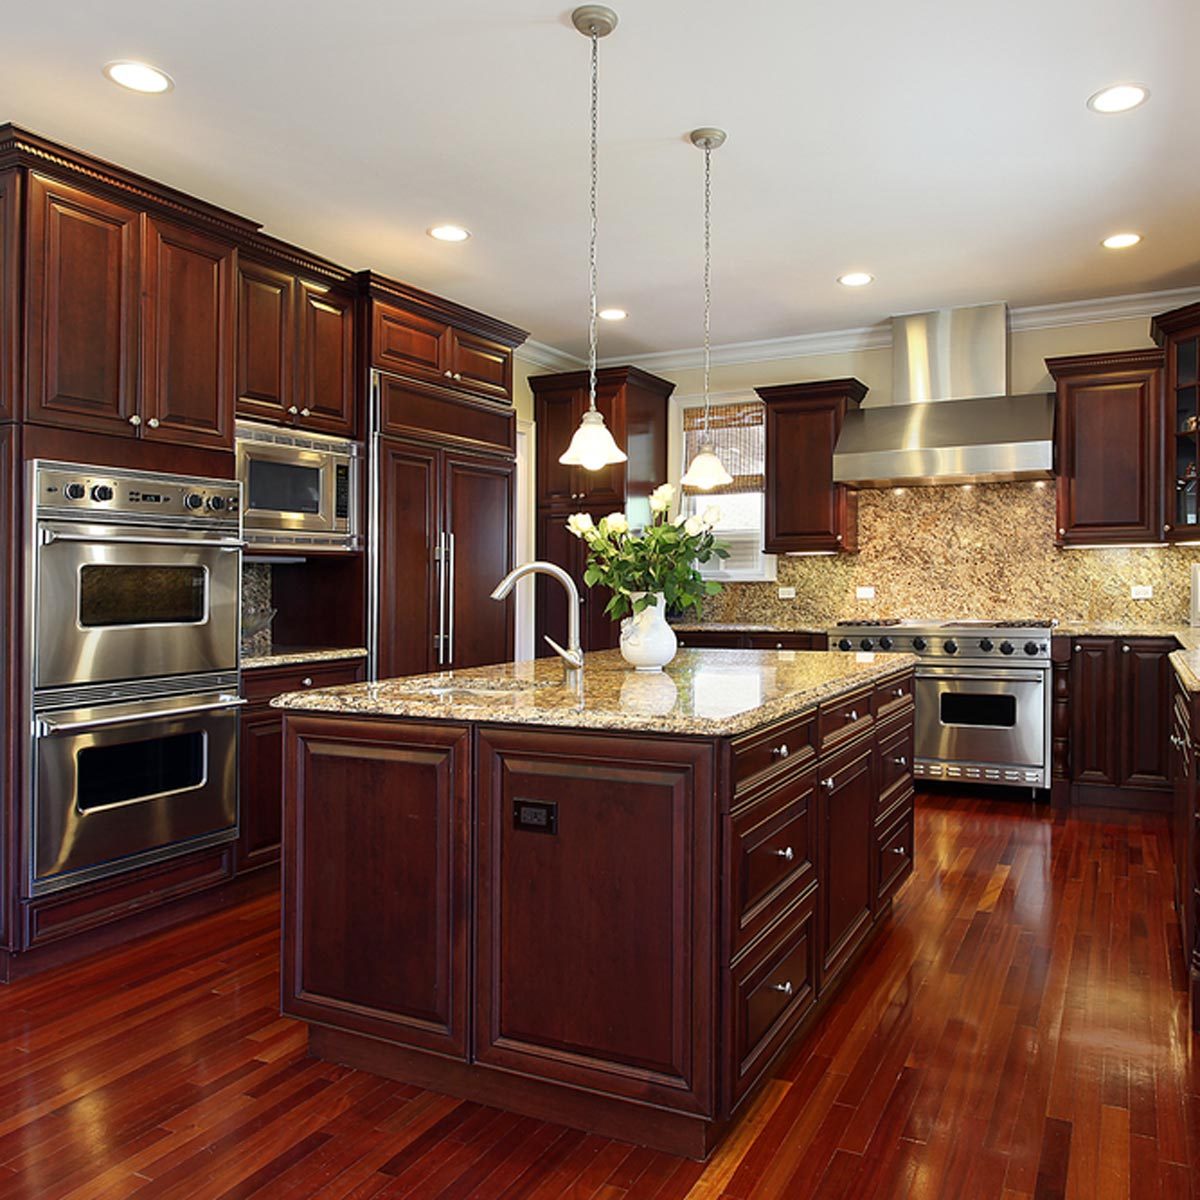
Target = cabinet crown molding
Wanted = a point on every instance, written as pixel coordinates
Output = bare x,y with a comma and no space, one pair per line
605,376
1178,319
392,291
1085,364
818,389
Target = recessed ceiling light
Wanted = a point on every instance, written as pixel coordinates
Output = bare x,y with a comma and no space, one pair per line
1121,241
612,314
855,279
1121,97
449,233
138,76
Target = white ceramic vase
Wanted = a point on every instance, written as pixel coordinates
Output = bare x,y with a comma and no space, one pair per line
648,643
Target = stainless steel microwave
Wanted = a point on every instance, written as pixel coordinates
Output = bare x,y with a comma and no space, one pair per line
298,489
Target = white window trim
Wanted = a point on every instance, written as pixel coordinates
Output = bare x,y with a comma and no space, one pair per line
767,562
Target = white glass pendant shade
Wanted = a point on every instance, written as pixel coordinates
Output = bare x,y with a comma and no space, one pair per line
706,470
593,445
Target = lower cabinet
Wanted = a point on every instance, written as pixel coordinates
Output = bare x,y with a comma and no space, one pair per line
1186,837
720,639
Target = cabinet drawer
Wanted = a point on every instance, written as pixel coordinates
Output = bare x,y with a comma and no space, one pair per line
756,753
845,718
265,683
779,641
695,640
895,856
772,846
772,992
891,695
895,766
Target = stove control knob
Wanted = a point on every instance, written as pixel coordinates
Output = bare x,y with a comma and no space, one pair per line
866,643
919,643
1031,648
193,500
1006,647
216,503
845,644
885,643
986,645
950,647
74,491
102,493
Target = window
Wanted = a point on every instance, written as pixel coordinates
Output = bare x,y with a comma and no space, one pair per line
738,432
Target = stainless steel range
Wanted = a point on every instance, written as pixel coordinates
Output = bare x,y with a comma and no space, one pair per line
132,602
982,695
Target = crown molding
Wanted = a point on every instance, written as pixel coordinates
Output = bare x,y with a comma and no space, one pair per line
538,354
1094,312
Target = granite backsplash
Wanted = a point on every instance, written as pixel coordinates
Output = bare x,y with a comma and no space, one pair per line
256,598
985,551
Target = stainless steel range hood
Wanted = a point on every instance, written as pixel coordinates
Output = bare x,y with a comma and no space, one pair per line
950,419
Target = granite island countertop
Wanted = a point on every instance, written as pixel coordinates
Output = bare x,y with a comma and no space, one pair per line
702,693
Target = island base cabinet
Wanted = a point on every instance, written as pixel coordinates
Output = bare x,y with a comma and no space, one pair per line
594,913
375,881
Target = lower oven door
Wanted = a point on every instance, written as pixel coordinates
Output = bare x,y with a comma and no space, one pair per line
120,785
985,717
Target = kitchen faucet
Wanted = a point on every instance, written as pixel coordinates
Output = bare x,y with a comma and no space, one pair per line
572,656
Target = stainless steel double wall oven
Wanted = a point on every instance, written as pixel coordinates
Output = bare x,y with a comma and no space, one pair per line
132,627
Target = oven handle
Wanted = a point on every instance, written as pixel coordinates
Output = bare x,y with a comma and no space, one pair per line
1032,675
49,536
48,726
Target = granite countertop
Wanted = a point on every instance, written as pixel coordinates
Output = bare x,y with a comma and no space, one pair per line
705,693
747,627
298,655
1185,661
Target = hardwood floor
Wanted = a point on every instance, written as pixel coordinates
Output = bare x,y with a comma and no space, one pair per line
1019,1031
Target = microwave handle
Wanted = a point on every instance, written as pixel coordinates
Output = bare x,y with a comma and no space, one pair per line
47,726
49,536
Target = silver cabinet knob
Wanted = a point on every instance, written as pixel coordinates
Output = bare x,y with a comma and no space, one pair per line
787,853
1078,649
898,692
307,681
778,645
293,410
827,784
901,761
1124,649
135,420
1166,529
780,751
457,375
448,374
306,412
852,715
838,538
785,987
153,422
1062,532
899,850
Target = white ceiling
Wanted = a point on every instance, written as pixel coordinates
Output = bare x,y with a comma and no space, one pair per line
942,145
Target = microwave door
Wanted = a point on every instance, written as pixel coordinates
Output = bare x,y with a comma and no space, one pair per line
291,491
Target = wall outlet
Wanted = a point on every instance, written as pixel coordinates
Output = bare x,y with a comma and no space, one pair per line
787,593
864,593
1141,591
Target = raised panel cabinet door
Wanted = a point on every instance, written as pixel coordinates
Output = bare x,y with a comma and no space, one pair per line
605,488
266,342
846,855
1096,711
1146,687
411,602
9,582
260,794
557,412
1110,448
594,927
82,258
478,506
376,879
556,544
10,293
326,394
188,337
480,365
802,505
409,343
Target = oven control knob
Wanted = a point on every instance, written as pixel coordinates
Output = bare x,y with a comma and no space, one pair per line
950,647
845,644
193,500
986,645
102,492
1006,647
919,643
74,491
1031,647
885,643
866,643
216,503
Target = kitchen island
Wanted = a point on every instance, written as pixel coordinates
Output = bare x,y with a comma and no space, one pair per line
613,903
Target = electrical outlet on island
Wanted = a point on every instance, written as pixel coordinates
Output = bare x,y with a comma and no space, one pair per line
1141,591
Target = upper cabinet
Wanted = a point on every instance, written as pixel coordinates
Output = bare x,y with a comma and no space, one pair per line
10,296
326,364
1178,333
1109,435
806,512
266,341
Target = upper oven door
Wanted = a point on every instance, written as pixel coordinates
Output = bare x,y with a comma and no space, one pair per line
981,716
118,603
287,489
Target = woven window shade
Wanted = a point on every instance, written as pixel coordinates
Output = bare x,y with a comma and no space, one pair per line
738,433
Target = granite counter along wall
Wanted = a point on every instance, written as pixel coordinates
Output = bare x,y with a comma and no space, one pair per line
986,551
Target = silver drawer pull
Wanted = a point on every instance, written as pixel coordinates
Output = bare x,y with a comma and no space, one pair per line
827,784
307,681
900,850
1124,649
901,761
153,422
787,853
785,987
898,692
780,751
448,374
306,412
852,715
293,410
135,420
1078,649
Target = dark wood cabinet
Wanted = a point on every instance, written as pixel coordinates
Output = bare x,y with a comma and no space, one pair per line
325,329
556,544
10,577
1146,677
806,512
376,897
1178,333
1186,837
266,341
1095,728
10,294
1110,437
480,364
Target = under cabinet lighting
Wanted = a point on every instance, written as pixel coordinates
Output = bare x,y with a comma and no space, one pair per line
1118,98
138,76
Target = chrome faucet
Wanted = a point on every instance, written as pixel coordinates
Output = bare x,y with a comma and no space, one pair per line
572,656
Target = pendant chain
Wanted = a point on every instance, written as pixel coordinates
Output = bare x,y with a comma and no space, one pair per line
592,245
707,275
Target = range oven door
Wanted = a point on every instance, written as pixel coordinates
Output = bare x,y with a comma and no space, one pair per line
119,603
291,491
120,785
981,716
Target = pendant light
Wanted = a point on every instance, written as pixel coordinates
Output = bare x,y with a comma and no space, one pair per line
593,445
706,470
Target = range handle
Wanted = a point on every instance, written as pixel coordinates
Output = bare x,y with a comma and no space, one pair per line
49,726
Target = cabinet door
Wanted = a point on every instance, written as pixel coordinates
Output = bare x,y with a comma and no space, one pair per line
266,342
480,365
326,391
1095,711
847,853
409,524
594,913
605,488
260,767
479,498
557,413
1146,679
597,630
409,344
376,879
1110,449
82,319
805,509
188,337
9,635
10,294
